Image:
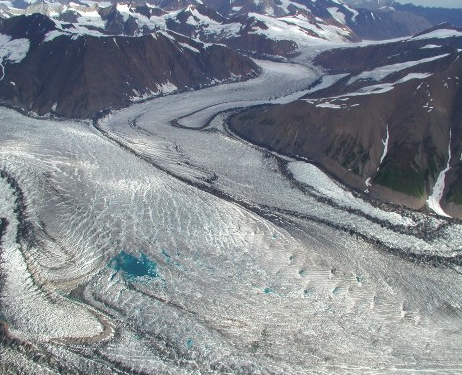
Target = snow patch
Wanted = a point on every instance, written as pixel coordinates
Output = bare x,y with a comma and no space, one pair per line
382,72
326,81
12,50
186,45
375,89
75,32
414,76
52,35
91,18
328,105
124,10
431,46
167,87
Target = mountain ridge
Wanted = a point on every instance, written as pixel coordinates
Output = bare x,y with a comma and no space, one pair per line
85,74
365,20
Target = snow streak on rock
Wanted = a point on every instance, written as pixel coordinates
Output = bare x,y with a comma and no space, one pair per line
385,148
434,199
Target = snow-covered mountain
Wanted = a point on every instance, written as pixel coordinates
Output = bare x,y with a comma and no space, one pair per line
325,19
265,27
269,27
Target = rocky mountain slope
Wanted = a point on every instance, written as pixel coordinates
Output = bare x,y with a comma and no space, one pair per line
52,67
383,123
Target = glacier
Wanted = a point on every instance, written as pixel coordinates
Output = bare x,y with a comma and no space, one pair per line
249,262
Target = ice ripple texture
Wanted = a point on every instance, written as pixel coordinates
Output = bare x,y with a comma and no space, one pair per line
139,245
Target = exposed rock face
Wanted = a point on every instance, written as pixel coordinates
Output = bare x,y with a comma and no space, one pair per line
78,75
386,23
435,16
381,129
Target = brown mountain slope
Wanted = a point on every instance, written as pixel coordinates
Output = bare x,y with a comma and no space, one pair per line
344,128
78,75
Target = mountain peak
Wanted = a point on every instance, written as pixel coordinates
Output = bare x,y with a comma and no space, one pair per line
33,27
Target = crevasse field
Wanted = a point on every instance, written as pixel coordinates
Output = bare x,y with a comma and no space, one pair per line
157,242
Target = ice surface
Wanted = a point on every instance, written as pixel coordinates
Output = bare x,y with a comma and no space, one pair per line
319,181
24,304
292,81
188,156
263,264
